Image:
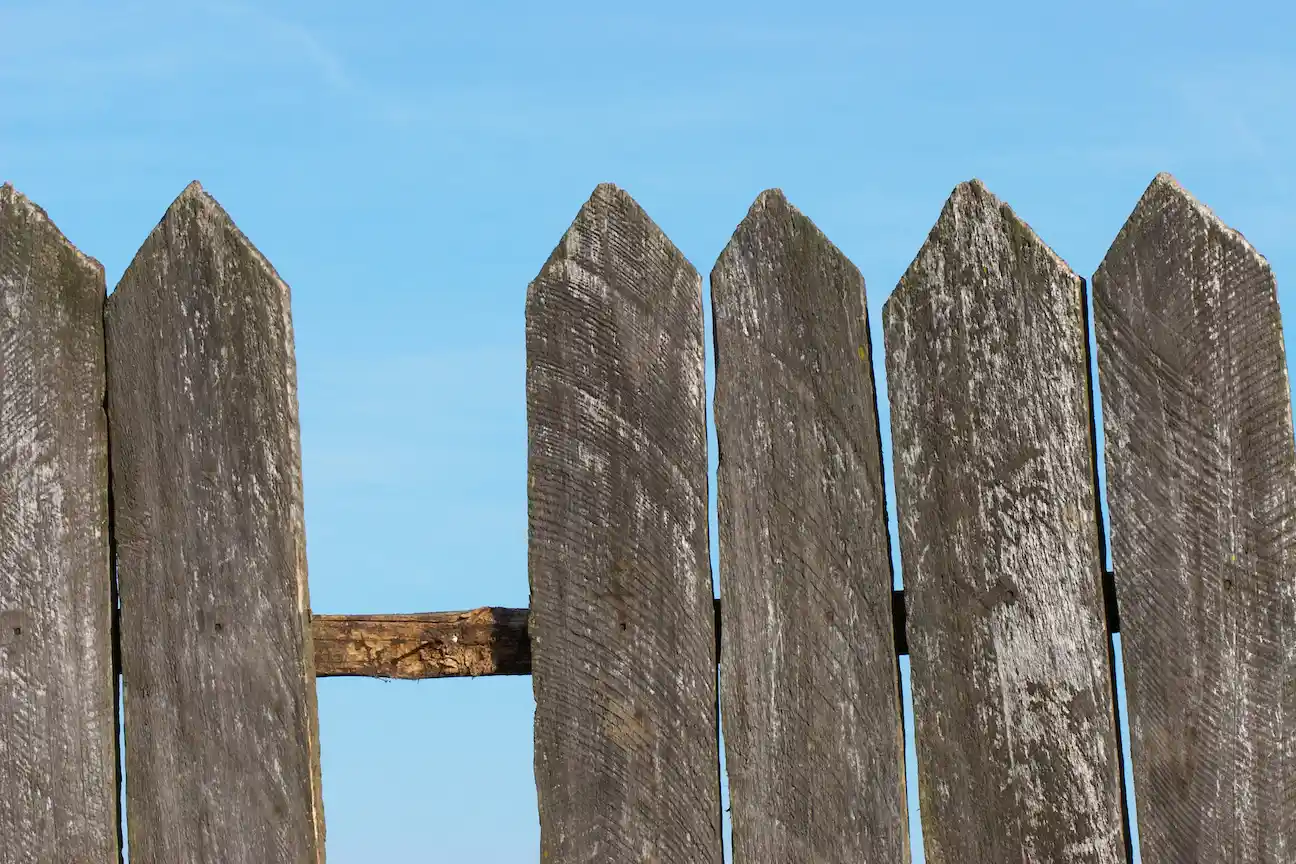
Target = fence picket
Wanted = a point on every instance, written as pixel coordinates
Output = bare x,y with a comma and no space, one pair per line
58,719
987,369
1201,485
622,622
813,733
222,761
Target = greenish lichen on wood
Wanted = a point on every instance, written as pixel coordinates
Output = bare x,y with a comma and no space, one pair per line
58,737
990,419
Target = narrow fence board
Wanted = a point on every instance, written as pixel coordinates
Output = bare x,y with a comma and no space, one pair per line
485,641
990,418
622,622
58,741
1201,485
813,732
222,760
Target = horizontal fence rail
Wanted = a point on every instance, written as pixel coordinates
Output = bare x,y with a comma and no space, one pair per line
152,548
489,640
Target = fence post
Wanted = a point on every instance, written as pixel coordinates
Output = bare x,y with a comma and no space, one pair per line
987,369
622,619
809,677
222,760
58,719
1201,485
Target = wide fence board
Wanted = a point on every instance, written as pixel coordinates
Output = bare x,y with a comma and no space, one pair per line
222,761
1201,489
813,732
622,622
58,718
987,370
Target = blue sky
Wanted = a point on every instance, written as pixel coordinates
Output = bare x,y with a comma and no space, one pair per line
408,167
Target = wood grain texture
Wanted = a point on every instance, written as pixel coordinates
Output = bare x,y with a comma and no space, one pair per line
990,422
1201,488
58,741
222,760
813,733
485,641
622,622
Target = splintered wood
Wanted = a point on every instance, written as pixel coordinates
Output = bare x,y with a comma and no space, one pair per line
486,641
990,421
622,615
222,751
1201,486
812,721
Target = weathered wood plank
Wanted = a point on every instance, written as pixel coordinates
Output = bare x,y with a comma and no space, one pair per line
814,739
58,741
485,641
222,760
990,418
622,623
1201,489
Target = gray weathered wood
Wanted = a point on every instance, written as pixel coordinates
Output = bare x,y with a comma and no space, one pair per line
813,733
990,415
58,742
222,760
1201,486
622,623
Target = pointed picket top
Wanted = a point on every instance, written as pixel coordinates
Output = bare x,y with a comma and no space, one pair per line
609,211
991,422
1201,485
622,618
58,758
805,565
976,227
198,217
1166,199
771,223
203,416
15,205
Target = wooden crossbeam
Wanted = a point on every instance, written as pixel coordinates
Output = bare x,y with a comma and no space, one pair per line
486,641
490,640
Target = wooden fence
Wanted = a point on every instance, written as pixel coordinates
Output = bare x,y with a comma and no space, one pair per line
188,372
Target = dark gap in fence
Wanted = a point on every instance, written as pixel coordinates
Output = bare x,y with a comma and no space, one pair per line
506,651
119,684
1127,775
1111,607
899,616
722,779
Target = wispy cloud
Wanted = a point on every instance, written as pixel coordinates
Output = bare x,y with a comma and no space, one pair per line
70,43
61,47
294,40
298,39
